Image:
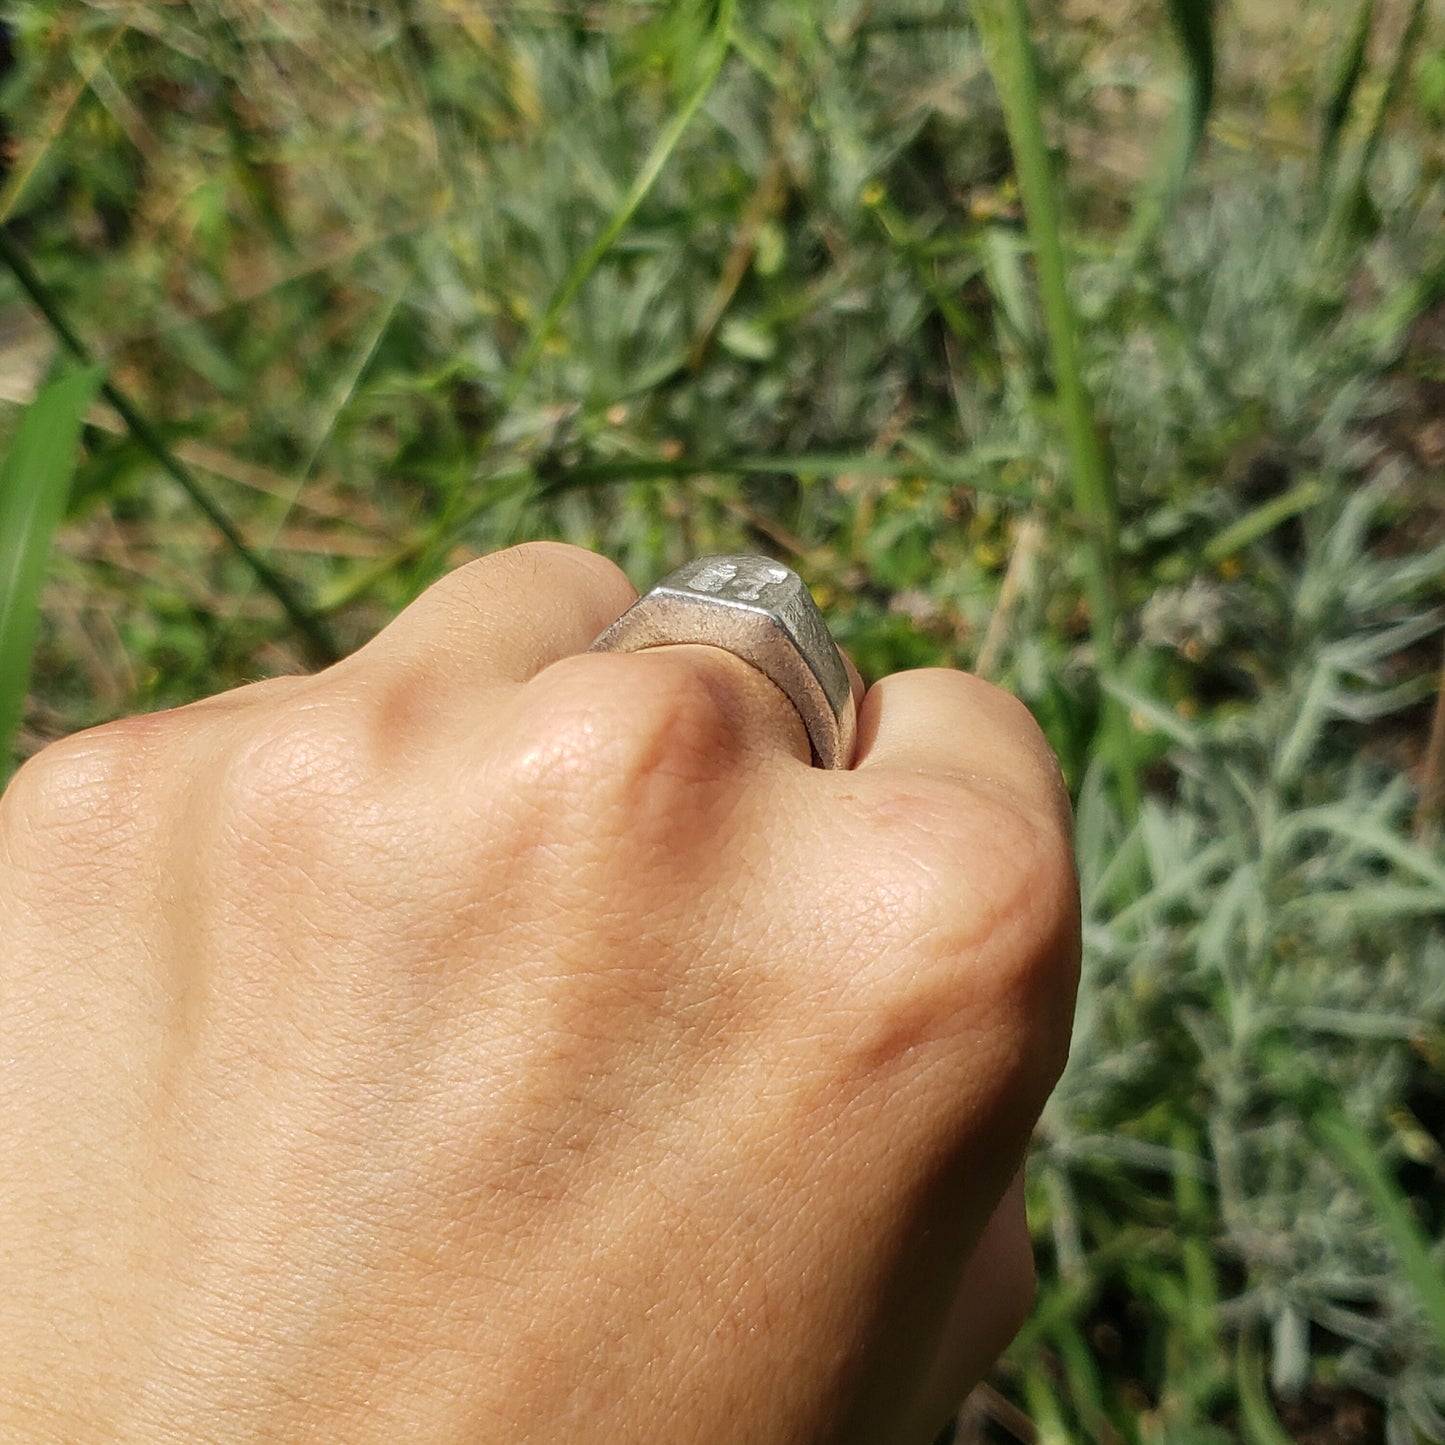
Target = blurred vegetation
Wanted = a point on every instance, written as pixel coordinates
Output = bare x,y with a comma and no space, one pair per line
1105,357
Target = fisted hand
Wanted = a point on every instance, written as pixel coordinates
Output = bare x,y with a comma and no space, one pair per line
485,1041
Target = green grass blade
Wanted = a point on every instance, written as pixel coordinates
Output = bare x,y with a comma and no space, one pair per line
1193,22
1351,205
1256,1414
1004,28
1347,76
34,484
1259,523
1395,83
984,477
1353,1152
981,471
309,626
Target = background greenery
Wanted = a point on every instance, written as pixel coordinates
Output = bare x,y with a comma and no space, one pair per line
1103,355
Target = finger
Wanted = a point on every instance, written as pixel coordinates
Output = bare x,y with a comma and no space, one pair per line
681,700
994,1296
510,614
750,706
960,799
951,724
495,622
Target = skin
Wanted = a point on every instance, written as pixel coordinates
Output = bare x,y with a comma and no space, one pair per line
480,1041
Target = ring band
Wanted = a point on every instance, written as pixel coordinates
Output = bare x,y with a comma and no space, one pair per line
760,611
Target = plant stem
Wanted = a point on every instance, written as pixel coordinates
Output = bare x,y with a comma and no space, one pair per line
1004,27
320,645
1351,1149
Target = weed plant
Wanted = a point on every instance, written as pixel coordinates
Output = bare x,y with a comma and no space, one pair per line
1104,356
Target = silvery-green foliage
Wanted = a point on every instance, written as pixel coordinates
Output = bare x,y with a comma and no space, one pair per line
1284,945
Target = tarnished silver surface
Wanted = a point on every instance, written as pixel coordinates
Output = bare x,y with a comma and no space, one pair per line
760,611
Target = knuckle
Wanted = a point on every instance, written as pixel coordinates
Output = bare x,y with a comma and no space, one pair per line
1037,777
292,763
992,707
80,783
1030,895
1025,888
620,731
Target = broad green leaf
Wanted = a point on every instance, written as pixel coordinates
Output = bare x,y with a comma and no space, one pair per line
34,484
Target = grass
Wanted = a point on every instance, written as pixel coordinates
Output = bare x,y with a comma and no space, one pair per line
1004,26
34,483
1105,355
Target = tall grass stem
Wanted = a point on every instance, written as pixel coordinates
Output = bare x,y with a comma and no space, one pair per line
1004,28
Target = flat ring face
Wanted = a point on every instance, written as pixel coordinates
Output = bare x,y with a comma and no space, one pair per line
760,611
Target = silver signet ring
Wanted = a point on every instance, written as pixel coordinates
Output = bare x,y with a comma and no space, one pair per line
760,611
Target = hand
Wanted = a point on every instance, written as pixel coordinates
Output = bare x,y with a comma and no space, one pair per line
483,1042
